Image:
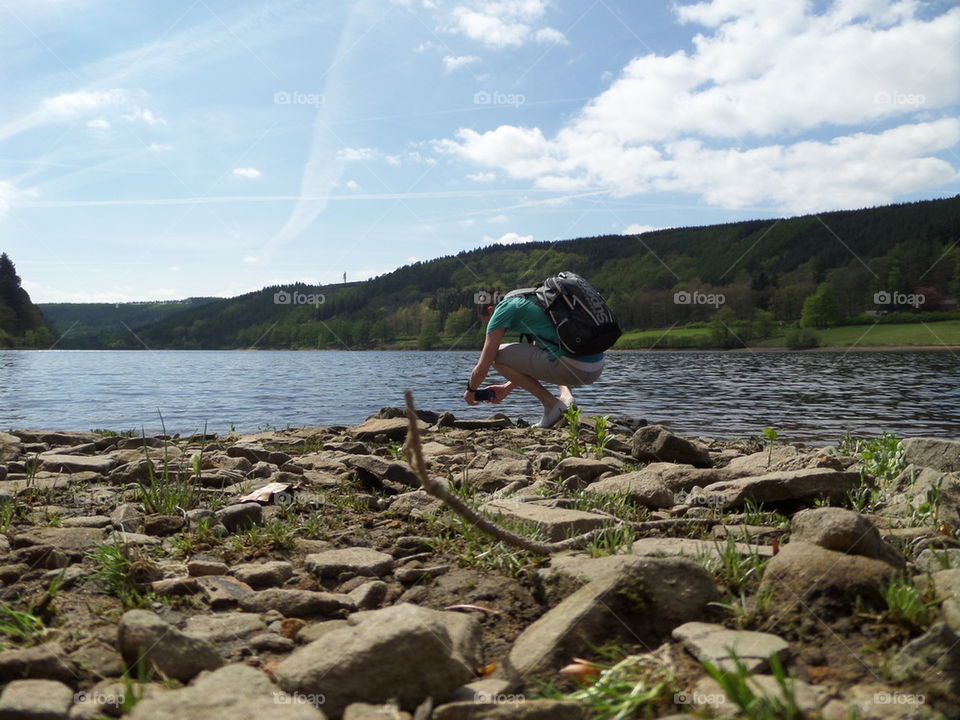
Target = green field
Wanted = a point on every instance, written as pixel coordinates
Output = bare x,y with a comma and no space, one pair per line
938,334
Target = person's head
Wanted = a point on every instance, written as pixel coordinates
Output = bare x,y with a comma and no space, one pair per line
485,303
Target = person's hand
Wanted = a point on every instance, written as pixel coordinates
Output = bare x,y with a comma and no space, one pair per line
468,398
499,391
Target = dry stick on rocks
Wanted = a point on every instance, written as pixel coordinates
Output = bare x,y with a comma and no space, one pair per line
472,516
414,451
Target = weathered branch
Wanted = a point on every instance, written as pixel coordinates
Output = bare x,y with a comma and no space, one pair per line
440,492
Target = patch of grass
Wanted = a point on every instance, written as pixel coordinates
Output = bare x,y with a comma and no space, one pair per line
881,457
117,567
739,573
616,504
103,432
473,548
907,605
23,627
601,435
753,706
276,535
573,447
632,687
611,541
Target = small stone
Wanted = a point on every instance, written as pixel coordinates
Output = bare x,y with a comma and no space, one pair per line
717,644
224,627
369,595
353,561
289,627
199,567
366,711
143,634
554,523
654,443
222,590
35,700
241,517
263,575
175,586
297,603
163,525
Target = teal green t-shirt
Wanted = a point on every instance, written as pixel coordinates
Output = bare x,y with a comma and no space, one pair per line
521,315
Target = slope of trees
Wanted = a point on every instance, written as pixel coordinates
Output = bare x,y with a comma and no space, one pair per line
739,281
21,322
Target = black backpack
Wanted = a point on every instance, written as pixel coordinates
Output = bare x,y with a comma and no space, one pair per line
585,323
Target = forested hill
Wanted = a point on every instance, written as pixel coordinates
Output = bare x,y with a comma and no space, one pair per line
761,269
21,322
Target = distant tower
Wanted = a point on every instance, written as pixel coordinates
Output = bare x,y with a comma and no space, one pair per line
344,278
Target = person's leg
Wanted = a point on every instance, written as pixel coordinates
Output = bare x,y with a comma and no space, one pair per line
510,360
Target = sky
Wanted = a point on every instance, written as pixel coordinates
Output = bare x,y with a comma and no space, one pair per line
165,149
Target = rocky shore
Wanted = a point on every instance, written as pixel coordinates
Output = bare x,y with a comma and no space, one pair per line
304,573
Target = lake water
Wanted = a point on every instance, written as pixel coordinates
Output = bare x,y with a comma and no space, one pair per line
810,396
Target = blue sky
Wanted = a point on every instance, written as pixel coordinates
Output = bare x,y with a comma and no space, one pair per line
162,150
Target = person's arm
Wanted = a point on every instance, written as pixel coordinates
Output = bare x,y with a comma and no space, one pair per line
491,345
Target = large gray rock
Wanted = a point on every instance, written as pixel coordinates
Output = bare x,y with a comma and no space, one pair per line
10,447
937,453
554,523
679,477
569,571
375,471
224,627
694,548
296,603
241,516
931,660
353,561
101,464
496,468
654,443
844,531
785,486
803,578
35,700
640,487
393,429
263,575
144,635
946,585
586,470
404,652
46,662
234,692
718,645
639,601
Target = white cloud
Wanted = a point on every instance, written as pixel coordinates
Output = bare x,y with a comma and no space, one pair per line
251,260
507,23
482,176
69,104
144,115
498,219
455,62
468,222
510,238
394,160
636,229
159,147
550,36
98,124
352,185
9,194
247,172
768,73
350,154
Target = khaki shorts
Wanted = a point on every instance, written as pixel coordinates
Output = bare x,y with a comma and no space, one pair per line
535,362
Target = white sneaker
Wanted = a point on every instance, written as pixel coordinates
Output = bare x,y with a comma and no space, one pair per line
551,418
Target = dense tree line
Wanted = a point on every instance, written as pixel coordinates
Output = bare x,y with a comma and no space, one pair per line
21,322
738,281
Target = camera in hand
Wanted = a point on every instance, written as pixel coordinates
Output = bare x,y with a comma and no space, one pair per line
483,395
